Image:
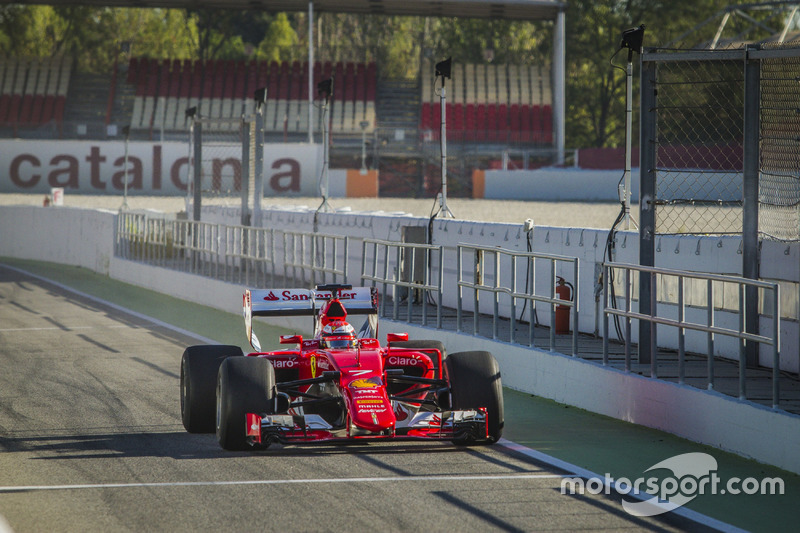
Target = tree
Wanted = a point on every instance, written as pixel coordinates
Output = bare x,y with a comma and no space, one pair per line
595,88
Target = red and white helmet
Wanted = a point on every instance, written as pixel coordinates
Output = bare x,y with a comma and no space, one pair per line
338,334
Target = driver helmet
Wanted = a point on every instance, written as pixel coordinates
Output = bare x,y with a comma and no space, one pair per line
338,334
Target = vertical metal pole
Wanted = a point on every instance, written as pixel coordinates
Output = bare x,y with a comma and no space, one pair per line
552,305
647,197
776,347
444,211
710,322
559,77
258,181
125,197
310,72
681,332
576,307
245,176
606,273
459,272
198,169
750,199
742,344
626,193
628,295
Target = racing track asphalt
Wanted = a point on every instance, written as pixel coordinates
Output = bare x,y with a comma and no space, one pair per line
92,441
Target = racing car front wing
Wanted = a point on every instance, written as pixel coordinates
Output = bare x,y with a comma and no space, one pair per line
443,425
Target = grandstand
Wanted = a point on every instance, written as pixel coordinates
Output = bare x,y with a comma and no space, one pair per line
491,109
33,92
486,103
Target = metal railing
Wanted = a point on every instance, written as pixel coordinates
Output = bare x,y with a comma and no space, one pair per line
770,294
508,261
316,253
250,252
402,273
239,254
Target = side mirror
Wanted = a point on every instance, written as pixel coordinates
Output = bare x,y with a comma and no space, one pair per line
291,339
396,337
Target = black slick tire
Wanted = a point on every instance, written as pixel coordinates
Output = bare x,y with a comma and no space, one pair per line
199,366
244,385
475,382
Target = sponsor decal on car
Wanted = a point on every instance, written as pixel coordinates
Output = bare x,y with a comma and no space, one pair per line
404,361
285,363
365,383
313,363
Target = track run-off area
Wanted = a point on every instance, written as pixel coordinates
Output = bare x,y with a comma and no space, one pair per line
91,440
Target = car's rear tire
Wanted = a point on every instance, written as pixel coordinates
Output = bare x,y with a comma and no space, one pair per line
474,379
199,366
244,385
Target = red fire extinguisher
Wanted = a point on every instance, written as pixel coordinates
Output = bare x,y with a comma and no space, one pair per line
564,291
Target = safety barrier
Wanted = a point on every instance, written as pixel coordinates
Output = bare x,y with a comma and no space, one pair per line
713,282
317,253
508,261
239,254
419,285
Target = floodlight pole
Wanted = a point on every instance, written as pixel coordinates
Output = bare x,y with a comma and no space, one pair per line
626,201
444,211
127,131
324,206
632,40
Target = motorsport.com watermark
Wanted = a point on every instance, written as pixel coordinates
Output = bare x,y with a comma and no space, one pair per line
693,474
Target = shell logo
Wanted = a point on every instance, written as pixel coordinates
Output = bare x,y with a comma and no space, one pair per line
363,384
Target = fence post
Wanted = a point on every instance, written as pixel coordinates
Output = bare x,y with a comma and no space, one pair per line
197,128
750,197
647,195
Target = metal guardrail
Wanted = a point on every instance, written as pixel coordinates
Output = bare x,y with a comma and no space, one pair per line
419,285
478,285
250,252
240,254
710,328
317,253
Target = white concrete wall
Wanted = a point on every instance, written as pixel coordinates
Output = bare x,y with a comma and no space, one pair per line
76,237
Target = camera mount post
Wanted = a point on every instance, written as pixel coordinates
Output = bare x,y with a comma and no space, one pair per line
325,90
632,40
443,70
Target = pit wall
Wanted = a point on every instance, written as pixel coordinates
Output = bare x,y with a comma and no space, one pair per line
85,238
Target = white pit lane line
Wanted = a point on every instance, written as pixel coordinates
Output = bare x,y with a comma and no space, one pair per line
572,470
391,479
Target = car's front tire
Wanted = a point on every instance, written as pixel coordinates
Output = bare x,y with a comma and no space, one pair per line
244,385
199,366
474,379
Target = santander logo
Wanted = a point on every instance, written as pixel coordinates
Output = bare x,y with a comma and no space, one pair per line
271,297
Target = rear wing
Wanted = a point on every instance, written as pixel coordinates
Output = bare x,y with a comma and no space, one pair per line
303,302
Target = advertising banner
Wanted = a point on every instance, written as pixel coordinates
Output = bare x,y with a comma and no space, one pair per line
153,169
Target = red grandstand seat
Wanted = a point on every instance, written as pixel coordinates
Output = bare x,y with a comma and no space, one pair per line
536,124
547,124
480,123
501,129
491,122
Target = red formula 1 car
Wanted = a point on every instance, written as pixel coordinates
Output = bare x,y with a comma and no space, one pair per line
339,385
